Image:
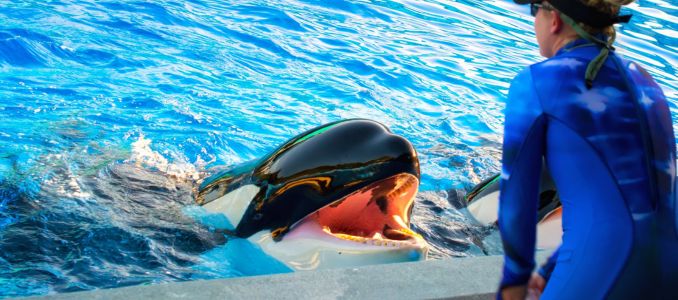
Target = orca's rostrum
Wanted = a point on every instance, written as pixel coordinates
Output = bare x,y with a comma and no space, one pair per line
337,195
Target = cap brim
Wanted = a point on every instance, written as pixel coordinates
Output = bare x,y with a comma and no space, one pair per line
524,1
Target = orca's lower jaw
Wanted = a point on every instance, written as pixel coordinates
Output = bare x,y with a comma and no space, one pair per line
369,226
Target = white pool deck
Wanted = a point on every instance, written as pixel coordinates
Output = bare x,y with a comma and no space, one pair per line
452,278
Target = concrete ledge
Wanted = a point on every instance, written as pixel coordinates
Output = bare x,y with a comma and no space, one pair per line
454,278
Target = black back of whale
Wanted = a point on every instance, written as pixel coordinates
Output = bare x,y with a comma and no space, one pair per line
312,170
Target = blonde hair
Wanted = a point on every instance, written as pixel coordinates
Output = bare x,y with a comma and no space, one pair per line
610,7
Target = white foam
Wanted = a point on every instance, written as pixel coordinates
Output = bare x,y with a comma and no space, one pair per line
143,156
65,183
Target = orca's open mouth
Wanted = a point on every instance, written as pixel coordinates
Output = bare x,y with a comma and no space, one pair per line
378,214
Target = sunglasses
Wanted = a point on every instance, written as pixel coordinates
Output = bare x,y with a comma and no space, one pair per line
535,6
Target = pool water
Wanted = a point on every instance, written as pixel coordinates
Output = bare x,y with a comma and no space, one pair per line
111,110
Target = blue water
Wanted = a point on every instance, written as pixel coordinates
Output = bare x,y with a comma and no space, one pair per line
111,110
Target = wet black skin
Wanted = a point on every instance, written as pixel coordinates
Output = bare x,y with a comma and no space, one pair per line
312,170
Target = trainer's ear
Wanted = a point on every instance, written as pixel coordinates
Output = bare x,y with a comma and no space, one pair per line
556,22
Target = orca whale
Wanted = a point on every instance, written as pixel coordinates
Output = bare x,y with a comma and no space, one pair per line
483,204
337,195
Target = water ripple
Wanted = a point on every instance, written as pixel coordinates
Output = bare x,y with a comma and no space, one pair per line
222,82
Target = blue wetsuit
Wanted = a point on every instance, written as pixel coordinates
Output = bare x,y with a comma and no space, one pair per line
611,152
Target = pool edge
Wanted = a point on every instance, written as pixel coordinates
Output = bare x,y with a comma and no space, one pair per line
451,278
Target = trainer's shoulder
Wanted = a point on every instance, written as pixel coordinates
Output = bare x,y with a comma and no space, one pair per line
642,79
638,72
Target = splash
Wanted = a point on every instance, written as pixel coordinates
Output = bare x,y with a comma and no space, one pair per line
143,156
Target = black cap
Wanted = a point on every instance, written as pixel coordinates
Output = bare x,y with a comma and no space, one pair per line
580,12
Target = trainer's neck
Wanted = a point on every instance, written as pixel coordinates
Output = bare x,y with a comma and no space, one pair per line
560,42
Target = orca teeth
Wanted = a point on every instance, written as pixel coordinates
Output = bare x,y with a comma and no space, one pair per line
378,239
373,241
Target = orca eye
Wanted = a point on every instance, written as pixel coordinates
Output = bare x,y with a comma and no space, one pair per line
258,216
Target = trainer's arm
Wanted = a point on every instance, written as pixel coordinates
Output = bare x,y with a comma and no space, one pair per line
521,168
